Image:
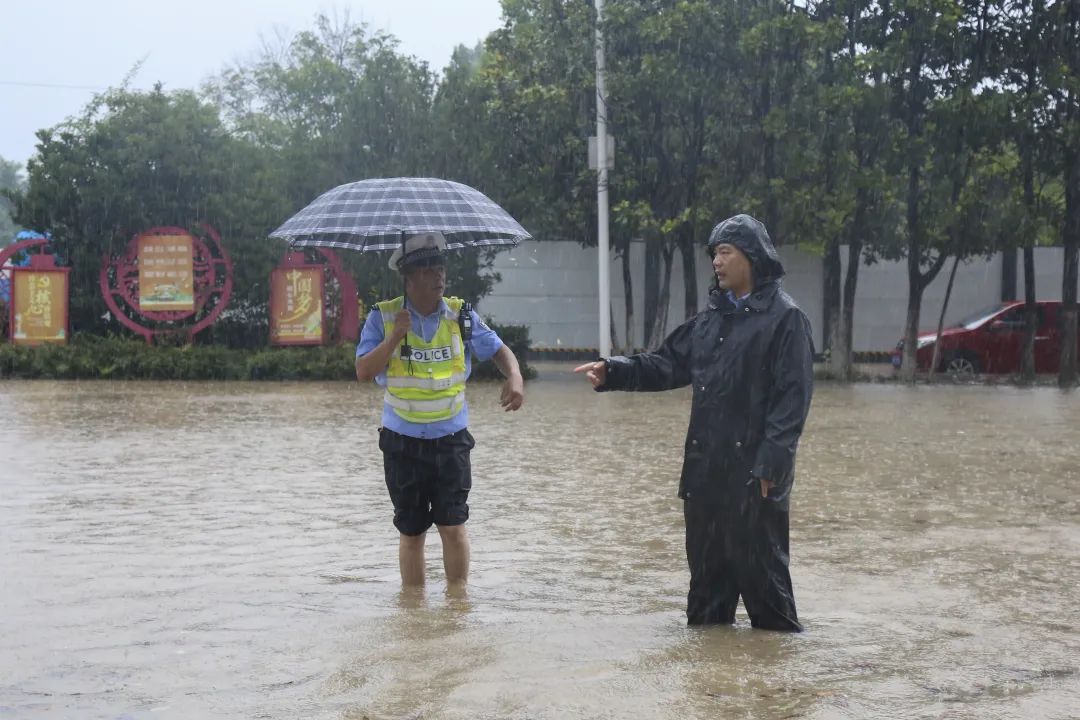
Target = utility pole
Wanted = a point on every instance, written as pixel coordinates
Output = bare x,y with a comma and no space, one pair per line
603,249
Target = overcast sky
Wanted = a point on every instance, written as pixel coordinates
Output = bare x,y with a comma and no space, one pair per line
56,53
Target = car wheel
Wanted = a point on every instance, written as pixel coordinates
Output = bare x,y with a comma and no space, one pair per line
961,365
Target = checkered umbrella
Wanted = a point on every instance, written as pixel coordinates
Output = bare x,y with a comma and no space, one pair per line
379,214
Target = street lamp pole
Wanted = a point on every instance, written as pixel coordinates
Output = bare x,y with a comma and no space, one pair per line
603,245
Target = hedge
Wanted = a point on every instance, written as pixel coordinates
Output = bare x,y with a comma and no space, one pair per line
118,358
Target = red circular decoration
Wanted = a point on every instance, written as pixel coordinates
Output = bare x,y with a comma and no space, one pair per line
211,276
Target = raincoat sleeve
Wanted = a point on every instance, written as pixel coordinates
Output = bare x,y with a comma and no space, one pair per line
666,369
792,371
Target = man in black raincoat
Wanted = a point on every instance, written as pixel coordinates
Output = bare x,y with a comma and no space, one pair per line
749,357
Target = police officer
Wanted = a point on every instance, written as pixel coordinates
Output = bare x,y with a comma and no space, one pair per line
420,347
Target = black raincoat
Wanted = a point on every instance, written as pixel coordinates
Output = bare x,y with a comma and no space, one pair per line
751,367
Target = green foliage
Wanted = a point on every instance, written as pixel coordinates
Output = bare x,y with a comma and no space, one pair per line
11,184
915,128
337,104
93,357
135,160
516,337
514,117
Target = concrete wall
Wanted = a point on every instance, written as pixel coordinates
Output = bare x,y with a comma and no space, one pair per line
551,287
1049,263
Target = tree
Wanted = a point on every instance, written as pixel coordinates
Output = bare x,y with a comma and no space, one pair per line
701,98
934,57
337,104
537,76
134,160
1026,60
669,95
1063,81
984,212
11,184
850,188
512,118
689,121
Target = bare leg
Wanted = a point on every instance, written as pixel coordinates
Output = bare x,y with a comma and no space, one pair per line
411,559
455,542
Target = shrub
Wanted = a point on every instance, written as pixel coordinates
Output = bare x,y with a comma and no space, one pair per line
115,358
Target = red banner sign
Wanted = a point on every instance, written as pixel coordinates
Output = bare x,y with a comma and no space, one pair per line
39,306
297,314
166,280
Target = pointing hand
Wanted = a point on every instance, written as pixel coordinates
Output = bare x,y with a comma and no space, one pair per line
595,372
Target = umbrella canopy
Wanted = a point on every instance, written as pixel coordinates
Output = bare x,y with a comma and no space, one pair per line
378,214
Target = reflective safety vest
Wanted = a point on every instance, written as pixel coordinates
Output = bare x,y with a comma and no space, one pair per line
429,384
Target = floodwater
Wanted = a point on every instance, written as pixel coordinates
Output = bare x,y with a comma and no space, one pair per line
225,551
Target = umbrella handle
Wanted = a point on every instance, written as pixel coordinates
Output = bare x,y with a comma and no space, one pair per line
406,351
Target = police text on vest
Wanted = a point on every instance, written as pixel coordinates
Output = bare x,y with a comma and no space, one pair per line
429,355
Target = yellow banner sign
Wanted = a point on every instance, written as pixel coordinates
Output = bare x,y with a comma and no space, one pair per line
166,280
296,307
39,307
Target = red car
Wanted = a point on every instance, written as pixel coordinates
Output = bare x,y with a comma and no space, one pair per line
992,341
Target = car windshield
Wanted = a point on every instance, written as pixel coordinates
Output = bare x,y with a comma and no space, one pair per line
974,320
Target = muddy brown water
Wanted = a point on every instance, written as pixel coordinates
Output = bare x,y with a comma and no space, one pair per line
225,551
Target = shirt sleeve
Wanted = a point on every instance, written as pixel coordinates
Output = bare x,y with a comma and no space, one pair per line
485,343
372,334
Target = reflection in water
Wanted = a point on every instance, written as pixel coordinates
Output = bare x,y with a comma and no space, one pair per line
226,550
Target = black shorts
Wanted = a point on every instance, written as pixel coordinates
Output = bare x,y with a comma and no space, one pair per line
428,480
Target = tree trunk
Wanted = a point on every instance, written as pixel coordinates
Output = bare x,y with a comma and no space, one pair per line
1069,50
941,318
833,327
913,122
844,350
908,367
689,269
768,155
911,332
1027,355
1031,318
611,329
1071,241
1008,274
917,280
628,295
659,320
652,287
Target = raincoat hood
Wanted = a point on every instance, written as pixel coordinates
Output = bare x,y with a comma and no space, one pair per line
751,237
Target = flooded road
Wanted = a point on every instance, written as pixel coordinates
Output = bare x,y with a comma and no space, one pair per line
225,551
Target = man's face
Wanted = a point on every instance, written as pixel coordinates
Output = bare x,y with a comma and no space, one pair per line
732,268
424,284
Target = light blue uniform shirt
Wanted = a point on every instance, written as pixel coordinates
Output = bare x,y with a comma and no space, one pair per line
738,302
484,344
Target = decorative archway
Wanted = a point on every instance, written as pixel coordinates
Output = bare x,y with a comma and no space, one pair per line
210,283
37,295
15,248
